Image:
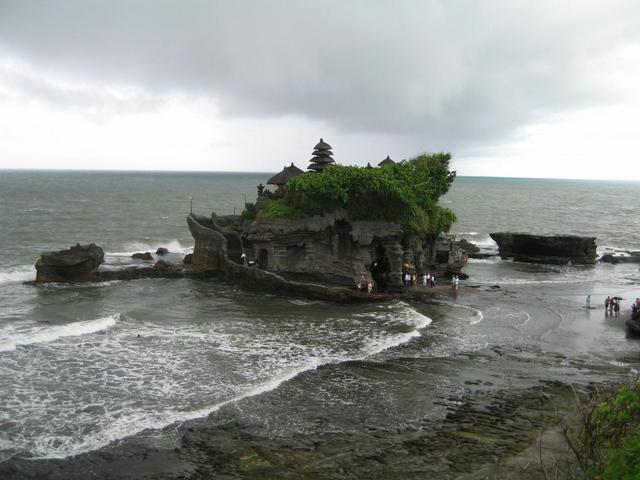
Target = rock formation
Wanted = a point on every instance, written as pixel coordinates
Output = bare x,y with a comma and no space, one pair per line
553,249
142,256
630,257
331,249
77,264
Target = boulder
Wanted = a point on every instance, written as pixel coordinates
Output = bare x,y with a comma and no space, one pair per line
188,259
142,256
472,250
553,249
162,251
167,267
77,264
467,246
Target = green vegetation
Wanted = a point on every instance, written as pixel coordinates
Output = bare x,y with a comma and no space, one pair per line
406,192
277,208
608,446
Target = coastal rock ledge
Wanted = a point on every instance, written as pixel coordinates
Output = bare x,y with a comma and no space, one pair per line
552,249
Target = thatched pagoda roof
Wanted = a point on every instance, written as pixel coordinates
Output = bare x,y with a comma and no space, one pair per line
386,161
285,175
321,156
322,145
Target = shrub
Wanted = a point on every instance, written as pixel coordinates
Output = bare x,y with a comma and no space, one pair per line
277,208
406,192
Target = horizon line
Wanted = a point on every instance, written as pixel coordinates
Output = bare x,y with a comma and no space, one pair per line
107,170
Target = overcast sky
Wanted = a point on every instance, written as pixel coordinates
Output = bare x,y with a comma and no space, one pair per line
511,88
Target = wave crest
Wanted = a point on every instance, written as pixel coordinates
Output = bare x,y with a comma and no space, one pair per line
38,334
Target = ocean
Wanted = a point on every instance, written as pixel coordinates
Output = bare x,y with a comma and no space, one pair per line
82,366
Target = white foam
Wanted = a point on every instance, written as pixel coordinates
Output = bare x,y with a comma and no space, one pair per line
38,334
174,246
399,315
18,275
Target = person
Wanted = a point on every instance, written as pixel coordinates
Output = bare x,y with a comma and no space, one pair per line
413,279
244,259
433,280
424,279
457,282
453,282
611,302
616,307
589,301
359,286
369,287
606,302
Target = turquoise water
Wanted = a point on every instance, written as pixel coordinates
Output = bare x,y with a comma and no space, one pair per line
81,366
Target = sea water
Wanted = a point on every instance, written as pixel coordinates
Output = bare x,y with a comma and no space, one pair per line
84,365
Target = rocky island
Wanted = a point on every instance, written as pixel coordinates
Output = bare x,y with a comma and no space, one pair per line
316,234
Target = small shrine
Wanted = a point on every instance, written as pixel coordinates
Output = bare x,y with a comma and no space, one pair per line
280,179
321,157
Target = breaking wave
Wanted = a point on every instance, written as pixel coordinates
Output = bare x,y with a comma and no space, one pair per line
39,334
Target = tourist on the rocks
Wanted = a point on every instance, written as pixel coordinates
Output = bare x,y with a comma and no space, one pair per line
369,287
244,259
359,286
616,307
425,279
453,282
433,280
611,303
606,303
413,279
589,301
457,282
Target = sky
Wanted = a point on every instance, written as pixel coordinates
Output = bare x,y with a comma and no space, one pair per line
511,88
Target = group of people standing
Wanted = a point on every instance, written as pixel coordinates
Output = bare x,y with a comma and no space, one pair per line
426,279
612,304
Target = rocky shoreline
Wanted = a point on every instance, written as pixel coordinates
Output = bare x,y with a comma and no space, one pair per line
489,432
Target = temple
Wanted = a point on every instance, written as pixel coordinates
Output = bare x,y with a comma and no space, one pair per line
332,249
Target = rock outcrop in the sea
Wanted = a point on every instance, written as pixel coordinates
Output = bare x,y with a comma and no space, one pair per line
142,256
551,249
76,264
81,263
162,251
629,257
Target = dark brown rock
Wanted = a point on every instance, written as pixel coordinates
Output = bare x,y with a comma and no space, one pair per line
552,249
188,259
143,256
77,264
162,251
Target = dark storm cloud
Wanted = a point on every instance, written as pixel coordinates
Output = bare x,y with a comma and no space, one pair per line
450,72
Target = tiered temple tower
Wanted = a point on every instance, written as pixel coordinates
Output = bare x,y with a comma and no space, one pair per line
321,157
